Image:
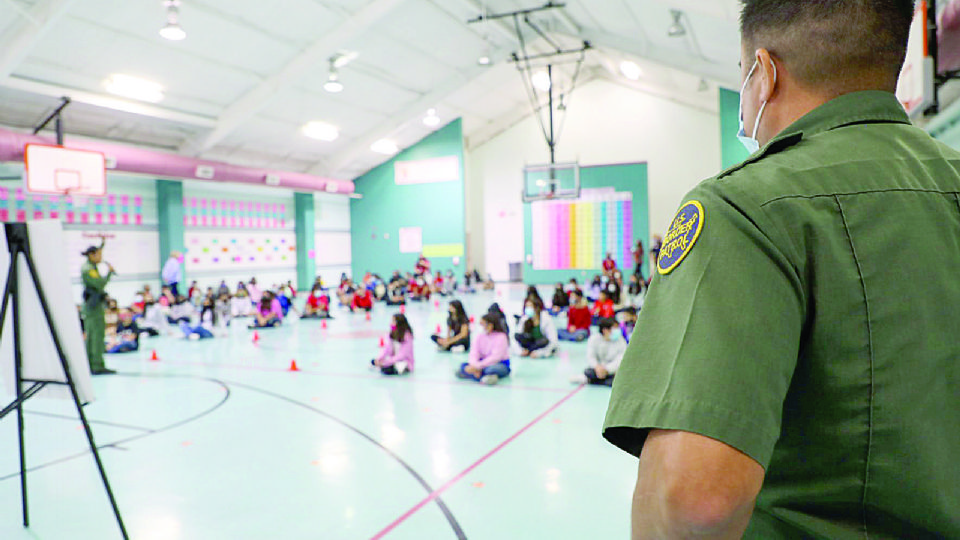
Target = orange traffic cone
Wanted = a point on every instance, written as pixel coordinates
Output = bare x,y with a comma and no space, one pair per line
439,330
403,310
436,304
154,357
368,316
293,366
323,325
382,343
256,336
473,320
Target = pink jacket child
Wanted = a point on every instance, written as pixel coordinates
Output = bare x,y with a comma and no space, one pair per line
396,357
489,354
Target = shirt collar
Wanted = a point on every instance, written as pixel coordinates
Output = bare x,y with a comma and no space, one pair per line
853,108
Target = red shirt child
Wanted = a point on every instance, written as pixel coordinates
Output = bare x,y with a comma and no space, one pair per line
604,307
363,299
579,317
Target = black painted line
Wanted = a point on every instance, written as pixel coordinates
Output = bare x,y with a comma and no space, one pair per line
442,505
135,437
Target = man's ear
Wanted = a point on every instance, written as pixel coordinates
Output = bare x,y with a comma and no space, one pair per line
768,72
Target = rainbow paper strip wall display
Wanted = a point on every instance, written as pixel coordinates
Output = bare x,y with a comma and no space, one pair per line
577,234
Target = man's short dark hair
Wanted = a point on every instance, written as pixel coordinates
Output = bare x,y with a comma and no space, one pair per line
832,45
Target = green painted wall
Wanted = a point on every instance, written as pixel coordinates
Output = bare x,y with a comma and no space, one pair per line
437,208
627,177
732,151
306,235
170,219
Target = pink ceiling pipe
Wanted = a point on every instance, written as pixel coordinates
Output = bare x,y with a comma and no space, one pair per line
151,162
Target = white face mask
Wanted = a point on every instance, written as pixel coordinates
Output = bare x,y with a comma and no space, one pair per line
751,143
614,334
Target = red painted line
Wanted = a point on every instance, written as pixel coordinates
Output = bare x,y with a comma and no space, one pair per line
476,464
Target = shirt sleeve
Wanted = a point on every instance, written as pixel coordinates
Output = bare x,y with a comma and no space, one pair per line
718,336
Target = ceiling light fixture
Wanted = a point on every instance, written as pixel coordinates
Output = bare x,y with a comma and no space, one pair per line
385,146
333,84
321,131
172,29
541,81
631,70
484,60
677,29
431,119
134,88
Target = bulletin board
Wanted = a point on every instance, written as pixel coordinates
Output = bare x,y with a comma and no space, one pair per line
225,251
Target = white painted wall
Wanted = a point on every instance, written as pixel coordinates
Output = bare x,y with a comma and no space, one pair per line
332,237
607,123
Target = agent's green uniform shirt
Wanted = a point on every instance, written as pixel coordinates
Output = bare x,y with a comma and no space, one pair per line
93,314
814,325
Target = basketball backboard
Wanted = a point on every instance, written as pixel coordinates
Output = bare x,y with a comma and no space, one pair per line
58,170
916,88
551,181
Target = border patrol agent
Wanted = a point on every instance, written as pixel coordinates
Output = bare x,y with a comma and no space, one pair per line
94,299
795,371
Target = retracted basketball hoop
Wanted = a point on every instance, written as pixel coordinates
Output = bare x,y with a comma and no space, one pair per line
56,170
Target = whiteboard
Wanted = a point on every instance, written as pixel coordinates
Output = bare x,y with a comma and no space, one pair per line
132,253
332,248
40,358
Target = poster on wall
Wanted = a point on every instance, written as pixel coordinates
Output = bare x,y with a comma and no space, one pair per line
577,234
411,240
216,251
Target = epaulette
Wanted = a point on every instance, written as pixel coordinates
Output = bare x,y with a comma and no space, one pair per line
774,146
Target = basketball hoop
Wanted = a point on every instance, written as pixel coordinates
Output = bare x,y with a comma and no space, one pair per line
78,201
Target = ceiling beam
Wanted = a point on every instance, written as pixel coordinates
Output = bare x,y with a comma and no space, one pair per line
107,102
17,44
724,76
410,113
309,59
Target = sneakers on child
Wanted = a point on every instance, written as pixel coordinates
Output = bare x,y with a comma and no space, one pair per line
402,367
490,380
579,379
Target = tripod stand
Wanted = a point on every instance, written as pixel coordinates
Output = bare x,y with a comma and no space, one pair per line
18,244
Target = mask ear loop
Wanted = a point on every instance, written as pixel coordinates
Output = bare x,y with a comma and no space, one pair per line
756,125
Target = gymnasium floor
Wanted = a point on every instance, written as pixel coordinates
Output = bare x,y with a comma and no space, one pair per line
219,440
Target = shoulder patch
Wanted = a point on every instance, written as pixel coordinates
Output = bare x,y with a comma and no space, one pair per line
683,234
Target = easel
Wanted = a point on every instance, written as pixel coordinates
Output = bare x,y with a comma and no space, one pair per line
18,244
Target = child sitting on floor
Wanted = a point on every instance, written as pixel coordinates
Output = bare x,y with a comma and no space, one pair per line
490,354
604,354
458,329
396,357
579,319
628,321
318,304
604,308
126,337
268,313
560,300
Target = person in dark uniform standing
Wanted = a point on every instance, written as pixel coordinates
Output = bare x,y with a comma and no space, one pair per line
777,386
94,299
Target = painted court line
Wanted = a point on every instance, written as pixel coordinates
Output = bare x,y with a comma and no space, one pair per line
364,376
476,464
